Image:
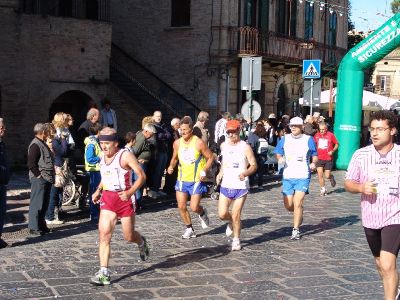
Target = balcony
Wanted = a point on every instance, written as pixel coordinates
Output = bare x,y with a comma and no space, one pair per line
250,41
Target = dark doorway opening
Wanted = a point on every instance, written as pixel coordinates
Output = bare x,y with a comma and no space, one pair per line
282,101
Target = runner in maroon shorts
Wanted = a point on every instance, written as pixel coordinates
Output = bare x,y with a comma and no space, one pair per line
116,197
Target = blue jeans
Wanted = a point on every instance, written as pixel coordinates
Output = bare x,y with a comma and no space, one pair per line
3,206
139,192
94,181
55,198
160,164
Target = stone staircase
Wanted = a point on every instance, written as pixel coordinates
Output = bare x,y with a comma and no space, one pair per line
147,91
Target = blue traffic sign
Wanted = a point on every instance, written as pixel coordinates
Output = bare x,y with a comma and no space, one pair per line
311,68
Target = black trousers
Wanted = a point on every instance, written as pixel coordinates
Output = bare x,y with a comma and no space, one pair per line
40,198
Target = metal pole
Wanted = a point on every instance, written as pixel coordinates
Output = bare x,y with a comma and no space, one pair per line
311,100
251,93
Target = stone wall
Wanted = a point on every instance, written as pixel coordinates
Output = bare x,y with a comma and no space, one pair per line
42,58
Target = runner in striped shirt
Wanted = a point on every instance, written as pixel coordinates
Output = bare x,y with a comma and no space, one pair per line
374,171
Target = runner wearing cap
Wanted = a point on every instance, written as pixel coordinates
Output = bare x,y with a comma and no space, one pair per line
238,163
115,194
195,159
294,150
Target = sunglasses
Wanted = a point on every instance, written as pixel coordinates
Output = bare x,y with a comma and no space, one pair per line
231,131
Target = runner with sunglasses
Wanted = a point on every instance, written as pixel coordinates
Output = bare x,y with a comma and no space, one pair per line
238,163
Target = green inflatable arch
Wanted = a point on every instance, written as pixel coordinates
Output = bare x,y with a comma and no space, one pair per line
348,113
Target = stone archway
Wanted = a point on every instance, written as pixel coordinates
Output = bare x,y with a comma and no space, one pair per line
75,103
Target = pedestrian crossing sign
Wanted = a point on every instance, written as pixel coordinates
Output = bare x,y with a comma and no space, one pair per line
311,69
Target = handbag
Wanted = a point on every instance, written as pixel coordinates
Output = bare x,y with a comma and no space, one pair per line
62,176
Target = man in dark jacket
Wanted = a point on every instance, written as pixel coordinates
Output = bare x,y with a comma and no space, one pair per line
41,175
4,178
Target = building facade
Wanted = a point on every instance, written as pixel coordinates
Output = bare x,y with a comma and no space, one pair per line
196,47
54,57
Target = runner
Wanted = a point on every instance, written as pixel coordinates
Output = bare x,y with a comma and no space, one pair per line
374,171
238,163
195,159
115,195
326,146
294,150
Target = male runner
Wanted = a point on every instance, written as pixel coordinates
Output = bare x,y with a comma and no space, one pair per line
115,194
195,158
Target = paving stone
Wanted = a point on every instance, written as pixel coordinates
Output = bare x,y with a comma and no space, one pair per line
321,292
264,285
43,274
39,292
12,276
205,280
131,283
134,295
194,291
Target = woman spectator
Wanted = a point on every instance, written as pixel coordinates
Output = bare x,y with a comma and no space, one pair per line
259,143
60,150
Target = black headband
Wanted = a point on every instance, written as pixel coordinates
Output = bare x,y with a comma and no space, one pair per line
108,138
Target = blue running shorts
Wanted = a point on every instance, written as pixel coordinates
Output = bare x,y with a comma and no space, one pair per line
191,188
290,186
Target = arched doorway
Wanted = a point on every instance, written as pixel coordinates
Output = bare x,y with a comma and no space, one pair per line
74,103
282,101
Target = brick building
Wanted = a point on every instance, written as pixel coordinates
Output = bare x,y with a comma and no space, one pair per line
195,47
177,56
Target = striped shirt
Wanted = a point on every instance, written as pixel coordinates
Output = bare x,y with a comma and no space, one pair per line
383,208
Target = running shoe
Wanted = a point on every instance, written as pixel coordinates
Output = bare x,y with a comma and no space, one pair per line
295,234
228,231
189,233
323,191
54,222
236,245
100,279
332,180
204,220
144,250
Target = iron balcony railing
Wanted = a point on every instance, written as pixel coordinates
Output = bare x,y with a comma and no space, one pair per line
252,41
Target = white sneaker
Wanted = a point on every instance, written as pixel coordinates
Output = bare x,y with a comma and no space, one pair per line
153,194
54,222
236,245
228,231
323,191
189,233
204,220
295,234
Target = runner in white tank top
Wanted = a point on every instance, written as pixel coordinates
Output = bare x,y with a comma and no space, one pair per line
114,195
238,163
114,178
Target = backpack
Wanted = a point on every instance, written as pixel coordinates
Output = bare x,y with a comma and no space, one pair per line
262,146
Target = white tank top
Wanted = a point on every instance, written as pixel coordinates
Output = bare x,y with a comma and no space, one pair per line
234,162
113,177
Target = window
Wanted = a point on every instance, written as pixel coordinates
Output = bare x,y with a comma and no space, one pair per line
250,10
383,83
264,14
180,13
65,8
286,16
92,9
309,22
332,29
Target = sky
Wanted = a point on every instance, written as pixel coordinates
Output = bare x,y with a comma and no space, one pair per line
370,14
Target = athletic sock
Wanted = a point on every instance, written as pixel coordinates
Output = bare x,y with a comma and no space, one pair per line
104,270
189,226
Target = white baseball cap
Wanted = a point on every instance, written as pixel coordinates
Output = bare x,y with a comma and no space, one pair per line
296,121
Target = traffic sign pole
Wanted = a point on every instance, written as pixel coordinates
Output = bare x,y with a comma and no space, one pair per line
251,93
311,92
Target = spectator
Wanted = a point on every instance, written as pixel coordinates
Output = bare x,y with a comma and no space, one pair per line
309,127
60,152
259,144
142,151
92,117
108,116
199,129
41,175
163,138
130,139
92,166
4,178
219,132
272,131
170,179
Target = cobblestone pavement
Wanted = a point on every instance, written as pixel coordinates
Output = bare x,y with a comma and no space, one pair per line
330,261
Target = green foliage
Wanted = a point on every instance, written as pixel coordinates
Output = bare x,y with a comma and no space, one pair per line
395,5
